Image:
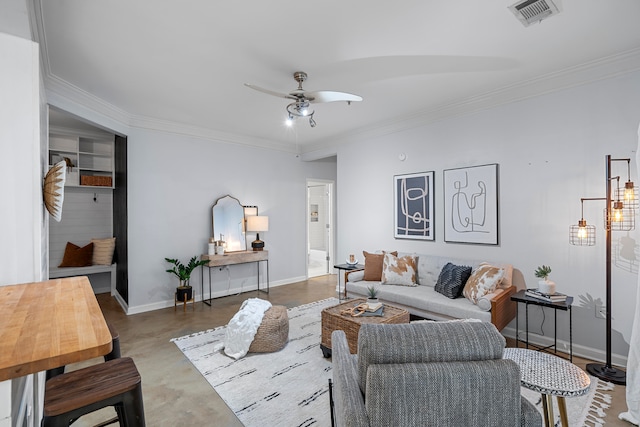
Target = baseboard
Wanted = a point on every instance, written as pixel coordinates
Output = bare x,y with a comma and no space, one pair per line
120,300
218,294
563,345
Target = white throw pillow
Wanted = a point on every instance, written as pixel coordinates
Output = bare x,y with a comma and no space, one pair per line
483,280
399,270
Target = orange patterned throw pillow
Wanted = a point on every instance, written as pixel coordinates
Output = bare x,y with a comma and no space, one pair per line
399,270
373,265
484,280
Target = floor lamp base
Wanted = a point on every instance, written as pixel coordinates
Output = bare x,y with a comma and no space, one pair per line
607,373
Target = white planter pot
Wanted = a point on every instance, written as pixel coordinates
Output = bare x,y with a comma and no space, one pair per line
547,287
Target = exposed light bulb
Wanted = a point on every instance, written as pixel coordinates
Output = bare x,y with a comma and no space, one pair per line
289,122
617,212
617,215
629,191
582,233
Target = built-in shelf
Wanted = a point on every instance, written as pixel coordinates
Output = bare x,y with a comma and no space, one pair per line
90,160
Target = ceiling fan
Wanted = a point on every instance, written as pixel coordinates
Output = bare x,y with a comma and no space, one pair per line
302,98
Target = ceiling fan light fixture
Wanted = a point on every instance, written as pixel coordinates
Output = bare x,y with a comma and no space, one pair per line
302,100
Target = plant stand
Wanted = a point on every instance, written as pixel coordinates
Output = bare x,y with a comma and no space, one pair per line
184,302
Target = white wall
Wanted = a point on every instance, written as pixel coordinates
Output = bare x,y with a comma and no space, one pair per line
21,212
174,181
551,151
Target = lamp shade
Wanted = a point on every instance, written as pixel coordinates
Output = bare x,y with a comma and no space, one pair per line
258,223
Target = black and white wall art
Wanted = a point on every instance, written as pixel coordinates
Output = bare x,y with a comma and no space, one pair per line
471,205
414,206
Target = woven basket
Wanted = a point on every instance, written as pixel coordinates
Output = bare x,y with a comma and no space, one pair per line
334,320
273,333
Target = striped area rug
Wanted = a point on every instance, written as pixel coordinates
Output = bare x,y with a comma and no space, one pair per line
286,388
290,387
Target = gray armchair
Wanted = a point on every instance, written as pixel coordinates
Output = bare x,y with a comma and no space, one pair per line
428,374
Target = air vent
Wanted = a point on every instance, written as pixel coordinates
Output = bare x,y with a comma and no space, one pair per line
531,11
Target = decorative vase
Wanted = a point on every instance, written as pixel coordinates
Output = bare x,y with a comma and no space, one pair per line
547,287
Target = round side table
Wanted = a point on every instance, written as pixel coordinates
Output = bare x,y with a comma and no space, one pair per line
550,376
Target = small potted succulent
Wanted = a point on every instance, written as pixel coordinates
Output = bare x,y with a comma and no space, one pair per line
372,295
545,285
183,273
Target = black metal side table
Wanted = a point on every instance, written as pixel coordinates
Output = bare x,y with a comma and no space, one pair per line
348,268
521,297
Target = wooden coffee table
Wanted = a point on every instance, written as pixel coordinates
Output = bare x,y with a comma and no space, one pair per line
332,320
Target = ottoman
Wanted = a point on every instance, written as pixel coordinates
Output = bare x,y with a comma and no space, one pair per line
273,332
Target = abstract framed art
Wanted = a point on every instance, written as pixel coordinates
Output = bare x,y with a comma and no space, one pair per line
414,206
471,205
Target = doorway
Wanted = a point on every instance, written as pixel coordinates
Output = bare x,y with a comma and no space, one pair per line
319,227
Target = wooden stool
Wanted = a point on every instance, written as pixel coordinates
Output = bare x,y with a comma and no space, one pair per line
114,354
113,383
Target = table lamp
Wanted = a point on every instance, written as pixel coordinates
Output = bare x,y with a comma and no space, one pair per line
257,223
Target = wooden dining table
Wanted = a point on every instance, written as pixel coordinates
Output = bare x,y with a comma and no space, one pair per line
44,325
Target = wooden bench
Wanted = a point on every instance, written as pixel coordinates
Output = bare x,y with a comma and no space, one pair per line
55,273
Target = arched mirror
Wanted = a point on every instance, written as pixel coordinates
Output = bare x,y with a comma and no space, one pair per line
227,216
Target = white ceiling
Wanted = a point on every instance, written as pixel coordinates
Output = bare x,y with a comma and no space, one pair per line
182,64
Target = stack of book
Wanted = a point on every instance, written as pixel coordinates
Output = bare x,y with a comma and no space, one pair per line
557,297
373,306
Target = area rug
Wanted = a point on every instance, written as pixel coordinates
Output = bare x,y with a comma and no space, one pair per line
587,410
287,388
290,387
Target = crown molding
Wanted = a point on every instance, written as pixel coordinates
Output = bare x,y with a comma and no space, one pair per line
151,123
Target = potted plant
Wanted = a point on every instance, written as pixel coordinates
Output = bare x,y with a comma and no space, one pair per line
372,294
183,273
545,285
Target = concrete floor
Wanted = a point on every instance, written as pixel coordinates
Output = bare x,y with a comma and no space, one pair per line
175,394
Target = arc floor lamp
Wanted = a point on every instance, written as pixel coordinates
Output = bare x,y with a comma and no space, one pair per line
619,215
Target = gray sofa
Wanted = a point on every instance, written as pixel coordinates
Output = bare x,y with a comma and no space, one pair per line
425,302
445,374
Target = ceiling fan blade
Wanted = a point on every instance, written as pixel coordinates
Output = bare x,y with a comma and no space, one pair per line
269,92
331,96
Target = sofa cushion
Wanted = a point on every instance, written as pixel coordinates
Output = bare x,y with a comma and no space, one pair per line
398,270
428,270
452,280
423,301
373,265
484,280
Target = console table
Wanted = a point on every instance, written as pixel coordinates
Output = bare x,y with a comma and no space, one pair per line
233,258
521,297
